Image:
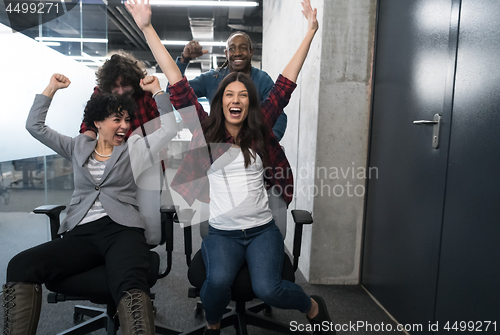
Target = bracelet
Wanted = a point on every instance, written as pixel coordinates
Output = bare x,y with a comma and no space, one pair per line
156,93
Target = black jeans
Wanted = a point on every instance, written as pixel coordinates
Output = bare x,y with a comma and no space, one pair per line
122,249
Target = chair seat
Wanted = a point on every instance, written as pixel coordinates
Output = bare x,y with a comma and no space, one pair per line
242,286
93,285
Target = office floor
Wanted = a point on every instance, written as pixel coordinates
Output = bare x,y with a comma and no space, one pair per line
347,304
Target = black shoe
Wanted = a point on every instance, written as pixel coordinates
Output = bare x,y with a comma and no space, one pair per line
211,331
322,319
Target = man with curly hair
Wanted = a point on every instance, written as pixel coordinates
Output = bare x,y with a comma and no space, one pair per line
121,74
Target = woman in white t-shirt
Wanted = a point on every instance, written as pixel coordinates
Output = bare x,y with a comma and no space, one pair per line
242,159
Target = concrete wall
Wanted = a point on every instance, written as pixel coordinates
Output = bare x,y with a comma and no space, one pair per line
326,140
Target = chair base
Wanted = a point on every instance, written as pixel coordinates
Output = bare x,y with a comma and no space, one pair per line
159,329
242,316
100,319
103,319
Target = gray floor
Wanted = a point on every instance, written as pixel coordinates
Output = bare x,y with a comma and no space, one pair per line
347,304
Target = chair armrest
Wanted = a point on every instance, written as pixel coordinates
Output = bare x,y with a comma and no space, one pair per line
185,216
53,212
169,209
300,217
167,235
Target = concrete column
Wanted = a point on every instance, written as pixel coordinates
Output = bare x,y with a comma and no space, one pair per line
326,140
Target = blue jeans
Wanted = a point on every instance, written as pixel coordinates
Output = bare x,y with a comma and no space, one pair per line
225,251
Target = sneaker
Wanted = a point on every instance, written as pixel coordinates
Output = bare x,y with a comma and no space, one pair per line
321,317
211,331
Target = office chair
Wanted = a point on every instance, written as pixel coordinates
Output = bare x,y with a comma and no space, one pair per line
241,291
77,287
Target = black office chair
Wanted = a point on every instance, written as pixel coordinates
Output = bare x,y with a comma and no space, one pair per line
78,288
241,291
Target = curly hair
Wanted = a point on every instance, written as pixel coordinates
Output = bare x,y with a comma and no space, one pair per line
124,65
101,106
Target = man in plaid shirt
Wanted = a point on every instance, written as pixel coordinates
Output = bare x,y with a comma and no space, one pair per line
121,74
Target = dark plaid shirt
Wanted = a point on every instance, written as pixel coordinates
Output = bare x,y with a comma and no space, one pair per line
191,180
146,111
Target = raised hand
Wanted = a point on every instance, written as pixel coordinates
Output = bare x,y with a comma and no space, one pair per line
150,84
191,51
141,11
310,15
57,81
292,69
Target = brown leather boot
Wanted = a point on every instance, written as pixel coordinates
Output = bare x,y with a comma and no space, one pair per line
21,303
135,312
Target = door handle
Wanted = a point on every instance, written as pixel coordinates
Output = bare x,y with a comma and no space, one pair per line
435,130
419,122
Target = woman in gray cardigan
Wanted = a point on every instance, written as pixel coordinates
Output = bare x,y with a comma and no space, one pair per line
103,225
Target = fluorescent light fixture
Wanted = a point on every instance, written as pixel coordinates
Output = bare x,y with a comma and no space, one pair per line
214,61
51,44
93,59
189,3
202,43
71,39
88,57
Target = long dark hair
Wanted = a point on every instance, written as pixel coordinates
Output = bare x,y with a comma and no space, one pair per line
253,133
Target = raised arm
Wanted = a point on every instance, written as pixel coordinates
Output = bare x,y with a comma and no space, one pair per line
293,67
144,150
141,11
35,123
57,82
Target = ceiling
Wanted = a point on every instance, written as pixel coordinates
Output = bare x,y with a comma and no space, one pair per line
92,18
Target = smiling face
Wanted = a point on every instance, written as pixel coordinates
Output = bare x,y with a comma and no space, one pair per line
112,130
238,53
235,104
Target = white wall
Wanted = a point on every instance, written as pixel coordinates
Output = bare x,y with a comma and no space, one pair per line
328,119
25,71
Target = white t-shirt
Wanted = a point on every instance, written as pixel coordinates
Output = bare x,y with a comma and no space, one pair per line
238,198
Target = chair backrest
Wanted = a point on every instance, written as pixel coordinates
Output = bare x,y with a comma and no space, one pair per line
276,203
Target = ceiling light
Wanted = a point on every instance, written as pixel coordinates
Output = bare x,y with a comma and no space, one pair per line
71,39
189,3
202,43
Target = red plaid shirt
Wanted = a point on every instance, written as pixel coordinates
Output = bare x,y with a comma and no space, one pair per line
191,180
146,111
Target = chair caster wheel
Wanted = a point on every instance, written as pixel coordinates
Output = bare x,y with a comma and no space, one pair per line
198,312
77,317
268,311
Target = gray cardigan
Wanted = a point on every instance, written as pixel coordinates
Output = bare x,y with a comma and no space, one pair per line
117,189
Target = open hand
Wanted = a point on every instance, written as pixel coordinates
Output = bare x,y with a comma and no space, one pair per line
310,15
141,11
150,84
